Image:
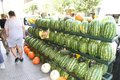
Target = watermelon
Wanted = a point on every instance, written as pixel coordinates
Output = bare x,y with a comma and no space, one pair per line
74,42
83,45
39,22
35,44
52,24
104,68
93,47
81,69
84,27
36,22
27,38
64,60
57,24
108,29
52,54
68,26
107,51
72,62
62,25
76,26
94,73
95,27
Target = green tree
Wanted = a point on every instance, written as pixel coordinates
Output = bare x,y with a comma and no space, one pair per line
32,9
85,6
60,5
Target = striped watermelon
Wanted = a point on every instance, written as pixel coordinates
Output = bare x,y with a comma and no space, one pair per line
94,73
108,29
71,64
62,25
69,26
83,45
52,24
95,26
107,51
84,27
76,26
104,68
93,47
80,69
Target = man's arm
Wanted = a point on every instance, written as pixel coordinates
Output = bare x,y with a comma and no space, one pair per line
6,28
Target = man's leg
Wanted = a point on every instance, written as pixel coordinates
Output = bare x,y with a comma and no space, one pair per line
13,50
20,51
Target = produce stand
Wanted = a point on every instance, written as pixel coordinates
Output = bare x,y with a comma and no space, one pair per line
34,33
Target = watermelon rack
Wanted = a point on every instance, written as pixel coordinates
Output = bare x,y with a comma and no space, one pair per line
82,54
83,35
53,44
107,76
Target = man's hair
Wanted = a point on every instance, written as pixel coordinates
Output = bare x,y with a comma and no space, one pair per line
11,13
3,16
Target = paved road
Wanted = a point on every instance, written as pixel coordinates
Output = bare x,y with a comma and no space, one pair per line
21,71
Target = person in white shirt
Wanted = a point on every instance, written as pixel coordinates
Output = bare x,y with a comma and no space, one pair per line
15,32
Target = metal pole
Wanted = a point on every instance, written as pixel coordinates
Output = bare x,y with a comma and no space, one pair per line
2,6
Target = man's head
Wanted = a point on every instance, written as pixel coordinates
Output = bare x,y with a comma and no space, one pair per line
3,16
11,13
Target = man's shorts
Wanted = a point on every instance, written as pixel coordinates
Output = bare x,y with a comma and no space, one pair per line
15,42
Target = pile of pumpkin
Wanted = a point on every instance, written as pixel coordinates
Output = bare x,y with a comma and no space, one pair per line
35,59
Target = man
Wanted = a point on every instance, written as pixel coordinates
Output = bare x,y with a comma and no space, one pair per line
3,33
15,32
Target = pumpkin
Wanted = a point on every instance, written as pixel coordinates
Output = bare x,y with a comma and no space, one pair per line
36,60
54,75
45,68
27,50
31,55
25,47
61,78
79,17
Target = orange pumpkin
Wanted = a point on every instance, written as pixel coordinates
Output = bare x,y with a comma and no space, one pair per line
61,78
36,60
31,55
25,46
79,17
27,50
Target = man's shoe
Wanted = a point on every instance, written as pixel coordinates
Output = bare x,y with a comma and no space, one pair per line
16,60
2,66
21,59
